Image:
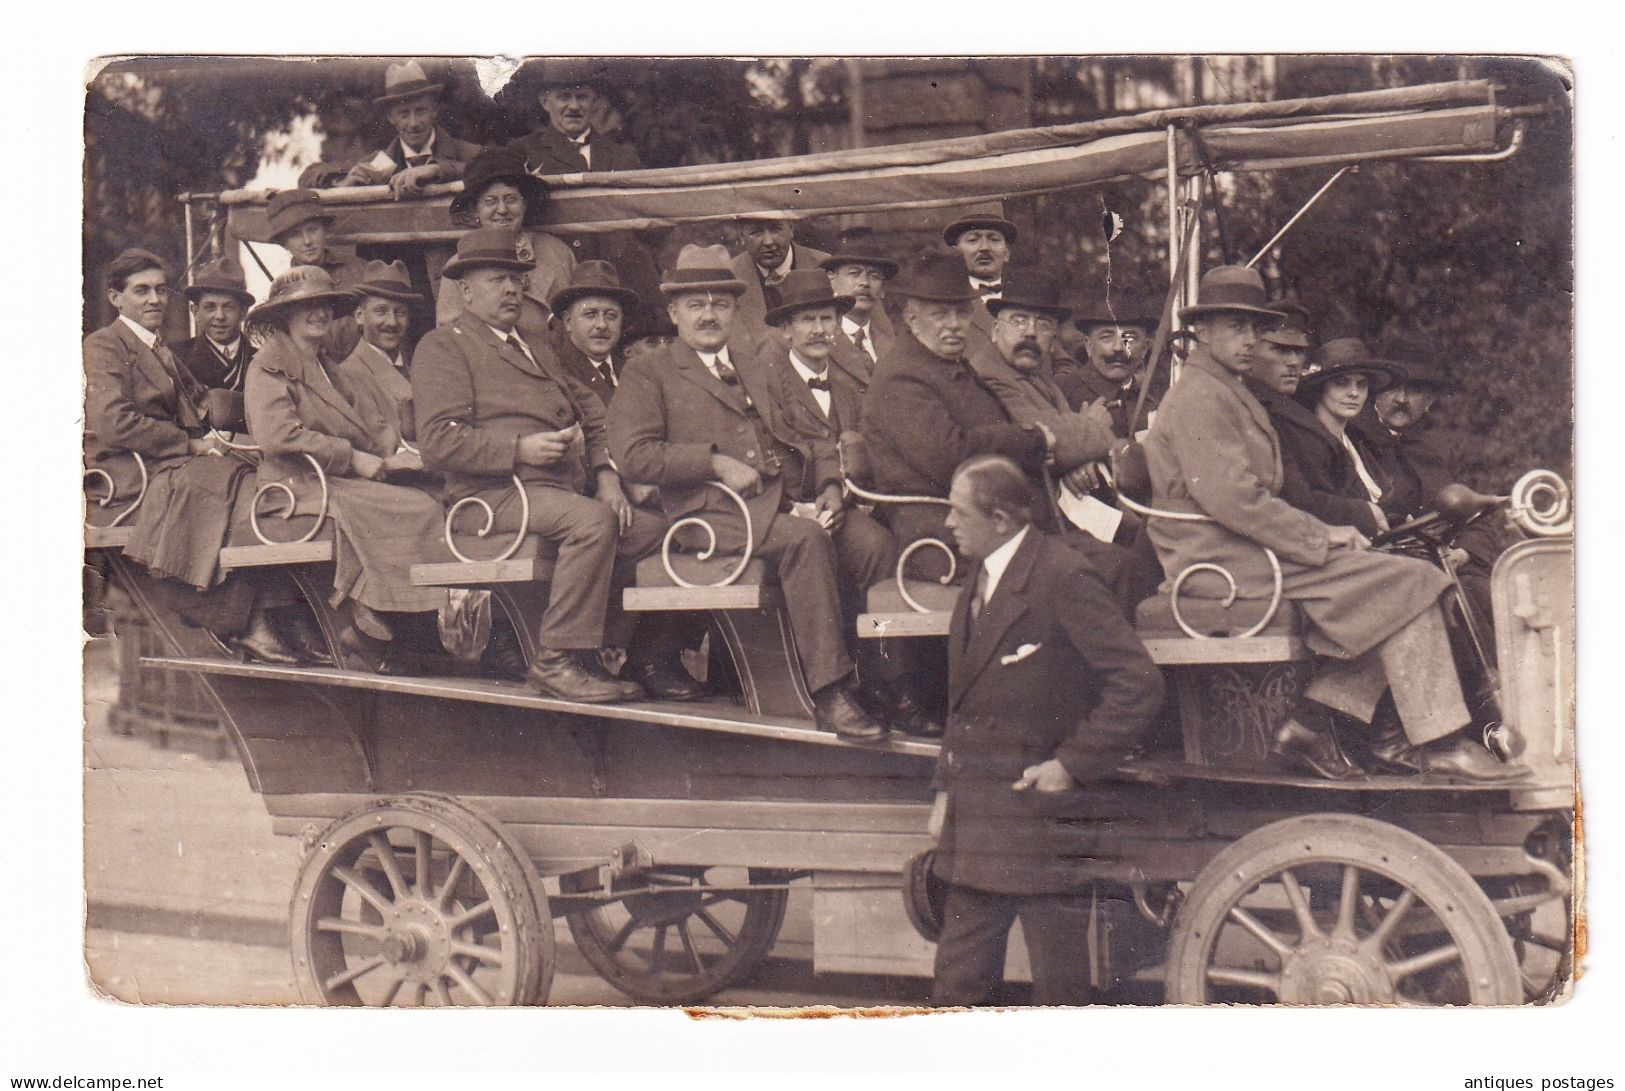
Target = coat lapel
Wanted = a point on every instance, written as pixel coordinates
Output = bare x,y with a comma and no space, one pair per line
1006,608
692,368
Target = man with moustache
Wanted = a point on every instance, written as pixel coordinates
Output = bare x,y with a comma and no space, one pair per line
983,243
378,371
704,410
771,254
591,310
860,271
422,152
1374,617
1116,335
218,356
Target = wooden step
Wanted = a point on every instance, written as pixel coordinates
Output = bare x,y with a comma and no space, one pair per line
108,537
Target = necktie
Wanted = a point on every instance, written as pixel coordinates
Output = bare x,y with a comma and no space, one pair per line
978,601
861,339
819,382
603,368
728,375
518,346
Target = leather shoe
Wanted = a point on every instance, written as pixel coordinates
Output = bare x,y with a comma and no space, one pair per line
836,710
558,674
897,707
358,651
663,681
593,663
304,637
1302,748
502,656
261,645
1463,759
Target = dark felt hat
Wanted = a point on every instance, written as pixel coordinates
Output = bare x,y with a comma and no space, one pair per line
702,269
1230,289
1117,309
804,289
551,73
486,248
1293,329
1414,363
1343,356
499,165
1032,290
593,278
985,221
406,80
387,280
221,275
935,280
301,284
291,207
860,250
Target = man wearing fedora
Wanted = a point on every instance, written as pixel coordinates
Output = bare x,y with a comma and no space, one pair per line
1374,618
591,312
422,152
860,270
218,298
771,254
378,371
927,411
572,94
1115,335
703,410
492,404
982,241
299,224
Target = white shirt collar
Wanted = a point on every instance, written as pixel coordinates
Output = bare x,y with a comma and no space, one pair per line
148,337
804,371
584,138
228,349
397,361
852,327
783,266
427,149
979,282
711,359
514,333
997,561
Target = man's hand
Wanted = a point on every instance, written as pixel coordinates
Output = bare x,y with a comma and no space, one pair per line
1044,778
363,175
1346,538
610,492
1081,481
831,508
638,494
410,182
366,465
939,816
403,461
735,474
546,448
1382,520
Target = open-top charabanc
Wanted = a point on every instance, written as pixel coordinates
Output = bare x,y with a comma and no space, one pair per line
448,818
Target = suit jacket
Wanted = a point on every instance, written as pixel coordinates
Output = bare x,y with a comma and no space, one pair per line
1080,437
1083,385
1050,670
476,395
1413,463
582,370
552,265
670,415
450,154
923,416
800,407
135,401
851,369
750,319
210,367
1317,473
379,387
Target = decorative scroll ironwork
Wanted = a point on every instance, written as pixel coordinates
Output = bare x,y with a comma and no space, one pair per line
711,545
490,521
112,489
278,486
1540,504
902,560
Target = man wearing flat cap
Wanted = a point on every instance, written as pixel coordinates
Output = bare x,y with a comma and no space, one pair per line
858,269
927,411
1373,617
218,298
1110,359
299,224
493,404
704,410
422,153
378,370
982,241
771,254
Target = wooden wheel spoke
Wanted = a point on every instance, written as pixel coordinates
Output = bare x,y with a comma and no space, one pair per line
391,866
1347,902
1385,928
658,950
394,989
453,877
442,994
1550,943
339,980
473,913
371,894
722,896
618,940
468,984
421,844
1405,967
716,928
491,956
349,927
694,959
1269,939
1248,979
1298,899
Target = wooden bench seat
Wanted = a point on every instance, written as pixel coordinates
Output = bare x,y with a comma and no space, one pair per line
532,562
888,614
1169,645
656,590
108,537
244,550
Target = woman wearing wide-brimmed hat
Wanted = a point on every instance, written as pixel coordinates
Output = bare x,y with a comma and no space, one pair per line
1330,471
497,192
297,406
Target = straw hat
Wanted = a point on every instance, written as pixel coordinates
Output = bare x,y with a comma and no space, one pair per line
301,284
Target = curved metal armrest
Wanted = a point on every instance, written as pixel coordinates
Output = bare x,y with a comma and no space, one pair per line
902,558
711,545
112,489
490,521
293,503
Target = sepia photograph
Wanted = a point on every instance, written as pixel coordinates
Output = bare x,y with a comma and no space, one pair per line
873,533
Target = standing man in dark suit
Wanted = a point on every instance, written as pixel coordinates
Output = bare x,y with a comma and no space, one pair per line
858,269
771,254
1049,687
218,356
572,94
983,243
703,410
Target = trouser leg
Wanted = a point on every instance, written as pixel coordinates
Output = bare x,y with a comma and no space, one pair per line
635,543
866,556
1056,928
970,952
586,533
1415,663
804,558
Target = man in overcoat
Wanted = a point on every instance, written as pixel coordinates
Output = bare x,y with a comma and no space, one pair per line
1373,617
218,298
378,372
1115,335
703,410
422,152
859,269
1049,688
492,404
771,253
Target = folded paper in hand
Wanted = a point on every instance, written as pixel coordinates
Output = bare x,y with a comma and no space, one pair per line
1090,515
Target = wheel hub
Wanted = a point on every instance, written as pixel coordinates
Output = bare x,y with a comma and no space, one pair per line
1329,971
417,940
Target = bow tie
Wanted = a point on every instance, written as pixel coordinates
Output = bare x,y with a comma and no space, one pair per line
773,280
996,286
819,382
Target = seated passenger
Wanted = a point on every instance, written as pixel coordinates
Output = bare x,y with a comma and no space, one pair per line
218,356
422,152
819,404
858,269
297,407
771,254
1114,336
493,403
139,399
499,195
299,224
1374,617
703,410
981,244
379,372
927,412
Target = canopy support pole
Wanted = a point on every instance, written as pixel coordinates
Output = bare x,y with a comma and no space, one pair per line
1298,215
186,216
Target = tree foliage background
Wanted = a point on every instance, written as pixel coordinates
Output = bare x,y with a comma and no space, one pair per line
1475,259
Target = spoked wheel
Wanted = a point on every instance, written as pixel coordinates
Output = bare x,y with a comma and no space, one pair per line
700,930
418,901
1338,909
